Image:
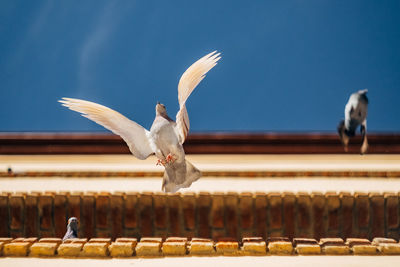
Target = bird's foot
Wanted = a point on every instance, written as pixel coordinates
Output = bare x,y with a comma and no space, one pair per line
170,158
161,162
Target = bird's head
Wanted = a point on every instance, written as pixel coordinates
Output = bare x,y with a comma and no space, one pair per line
344,137
160,109
73,223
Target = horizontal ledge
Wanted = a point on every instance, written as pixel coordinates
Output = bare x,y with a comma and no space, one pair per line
198,143
158,246
247,174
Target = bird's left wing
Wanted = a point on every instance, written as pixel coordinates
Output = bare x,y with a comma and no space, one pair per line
136,137
189,80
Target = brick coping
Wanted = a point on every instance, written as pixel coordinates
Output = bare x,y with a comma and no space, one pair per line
178,246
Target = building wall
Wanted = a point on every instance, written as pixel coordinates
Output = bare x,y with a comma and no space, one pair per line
202,215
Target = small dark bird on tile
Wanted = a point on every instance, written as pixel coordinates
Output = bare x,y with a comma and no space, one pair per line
166,137
72,229
355,114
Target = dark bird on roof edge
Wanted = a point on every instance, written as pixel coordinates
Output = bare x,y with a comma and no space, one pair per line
72,229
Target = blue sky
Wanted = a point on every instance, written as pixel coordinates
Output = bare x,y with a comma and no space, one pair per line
286,65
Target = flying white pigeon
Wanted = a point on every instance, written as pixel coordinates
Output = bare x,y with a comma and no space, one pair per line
166,137
355,114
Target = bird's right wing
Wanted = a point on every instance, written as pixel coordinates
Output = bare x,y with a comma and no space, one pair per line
189,80
136,137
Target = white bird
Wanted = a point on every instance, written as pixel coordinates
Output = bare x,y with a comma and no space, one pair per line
166,137
355,114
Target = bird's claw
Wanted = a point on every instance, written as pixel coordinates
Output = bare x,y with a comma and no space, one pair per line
170,158
161,162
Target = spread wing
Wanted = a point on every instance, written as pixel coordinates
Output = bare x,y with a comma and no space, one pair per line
189,80
133,134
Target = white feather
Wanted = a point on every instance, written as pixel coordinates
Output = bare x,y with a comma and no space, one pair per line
189,80
136,137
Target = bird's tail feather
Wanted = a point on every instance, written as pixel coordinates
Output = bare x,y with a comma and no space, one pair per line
192,175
